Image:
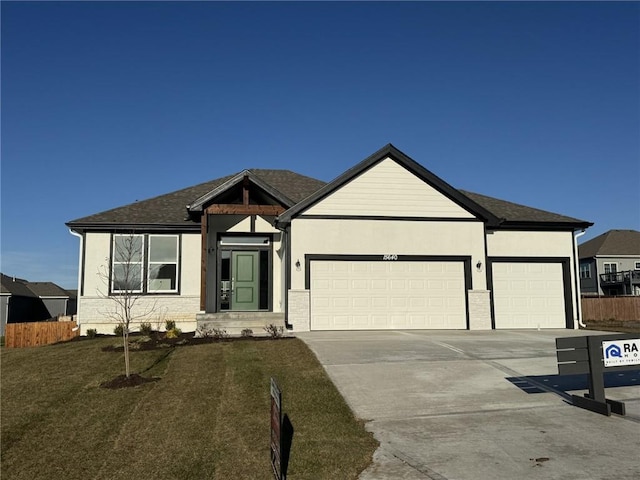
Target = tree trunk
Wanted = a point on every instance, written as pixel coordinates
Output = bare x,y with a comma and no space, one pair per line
125,340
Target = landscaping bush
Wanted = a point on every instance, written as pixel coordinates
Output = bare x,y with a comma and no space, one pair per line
119,329
146,328
274,331
169,325
246,332
173,333
92,333
220,333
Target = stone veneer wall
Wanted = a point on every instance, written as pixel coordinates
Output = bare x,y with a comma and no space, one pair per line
479,309
93,313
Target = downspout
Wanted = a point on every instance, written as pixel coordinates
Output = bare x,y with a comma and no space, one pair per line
576,262
81,237
285,246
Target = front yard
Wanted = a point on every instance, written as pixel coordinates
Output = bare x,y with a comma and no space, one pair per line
207,416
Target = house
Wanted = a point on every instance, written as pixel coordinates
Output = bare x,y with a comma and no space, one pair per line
386,245
610,264
18,303
55,299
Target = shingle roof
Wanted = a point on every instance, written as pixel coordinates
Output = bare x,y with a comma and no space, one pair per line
47,289
513,212
611,243
14,286
170,209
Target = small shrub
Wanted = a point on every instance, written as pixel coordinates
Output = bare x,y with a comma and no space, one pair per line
92,333
274,331
204,331
146,328
119,329
173,333
220,333
169,325
246,332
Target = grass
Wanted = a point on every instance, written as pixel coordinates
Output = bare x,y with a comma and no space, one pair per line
208,416
624,326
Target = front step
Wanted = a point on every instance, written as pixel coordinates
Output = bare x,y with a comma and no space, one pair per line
235,322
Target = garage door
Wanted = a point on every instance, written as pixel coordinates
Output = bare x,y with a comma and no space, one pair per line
372,295
528,295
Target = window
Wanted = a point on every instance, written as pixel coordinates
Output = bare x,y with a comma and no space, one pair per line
145,263
128,253
610,267
585,270
637,267
163,263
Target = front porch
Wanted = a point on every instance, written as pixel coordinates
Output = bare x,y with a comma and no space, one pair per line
235,322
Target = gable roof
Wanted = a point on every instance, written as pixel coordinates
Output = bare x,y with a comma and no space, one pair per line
170,210
389,151
298,192
494,211
611,243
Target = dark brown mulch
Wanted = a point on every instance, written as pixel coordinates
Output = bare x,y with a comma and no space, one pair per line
121,381
158,340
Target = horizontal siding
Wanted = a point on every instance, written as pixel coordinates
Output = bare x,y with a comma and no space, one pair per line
387,189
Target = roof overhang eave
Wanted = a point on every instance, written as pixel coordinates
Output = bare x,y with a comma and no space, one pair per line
130,227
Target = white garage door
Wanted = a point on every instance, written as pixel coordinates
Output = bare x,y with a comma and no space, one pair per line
372,295
528,295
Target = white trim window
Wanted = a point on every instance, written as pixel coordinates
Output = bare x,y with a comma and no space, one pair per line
637,266
127,263
585,270
610,267
162,264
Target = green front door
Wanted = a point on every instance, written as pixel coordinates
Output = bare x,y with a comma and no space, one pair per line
244,280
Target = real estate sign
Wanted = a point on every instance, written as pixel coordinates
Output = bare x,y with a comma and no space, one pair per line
618,353
276,429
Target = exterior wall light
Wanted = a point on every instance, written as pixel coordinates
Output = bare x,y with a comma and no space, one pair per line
298,265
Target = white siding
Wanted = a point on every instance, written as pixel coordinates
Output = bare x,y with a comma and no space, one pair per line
375,237
94,309
388,189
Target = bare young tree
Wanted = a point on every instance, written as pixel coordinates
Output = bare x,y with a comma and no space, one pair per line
123,278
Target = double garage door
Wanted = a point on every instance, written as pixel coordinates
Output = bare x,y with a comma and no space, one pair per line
375,295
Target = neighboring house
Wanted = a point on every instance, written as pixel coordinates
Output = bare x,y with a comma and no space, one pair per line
18,303
54,298
386,245
610,264
23,301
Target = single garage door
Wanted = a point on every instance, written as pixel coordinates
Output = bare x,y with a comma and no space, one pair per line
373,295
528,295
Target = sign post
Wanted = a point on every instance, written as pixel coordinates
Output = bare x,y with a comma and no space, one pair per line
276,430
595,356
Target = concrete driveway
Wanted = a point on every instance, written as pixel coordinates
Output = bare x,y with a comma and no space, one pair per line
469,405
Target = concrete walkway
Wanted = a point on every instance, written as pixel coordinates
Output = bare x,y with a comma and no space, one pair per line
469,405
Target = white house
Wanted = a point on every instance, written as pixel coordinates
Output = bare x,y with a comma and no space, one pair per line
386,245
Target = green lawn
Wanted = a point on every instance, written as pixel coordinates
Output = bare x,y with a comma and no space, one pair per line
208,416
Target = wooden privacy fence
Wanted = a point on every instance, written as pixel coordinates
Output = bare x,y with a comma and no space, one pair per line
611,308
33,334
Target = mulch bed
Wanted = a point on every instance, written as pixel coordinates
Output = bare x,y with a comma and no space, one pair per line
158,340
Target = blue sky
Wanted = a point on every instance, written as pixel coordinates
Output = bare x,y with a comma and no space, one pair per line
107,103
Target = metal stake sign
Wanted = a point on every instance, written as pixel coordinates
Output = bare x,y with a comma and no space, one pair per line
276,430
